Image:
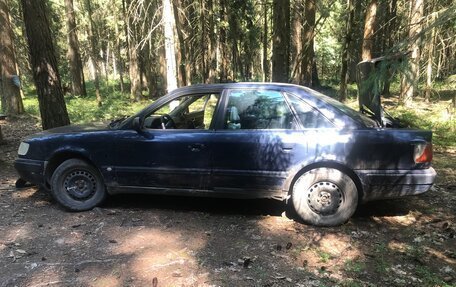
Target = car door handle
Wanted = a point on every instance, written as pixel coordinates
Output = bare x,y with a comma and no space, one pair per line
196,147
287,146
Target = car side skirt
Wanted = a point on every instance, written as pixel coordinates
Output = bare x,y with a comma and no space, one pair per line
217,192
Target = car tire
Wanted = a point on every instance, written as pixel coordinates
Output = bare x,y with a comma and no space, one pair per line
77,185
324,197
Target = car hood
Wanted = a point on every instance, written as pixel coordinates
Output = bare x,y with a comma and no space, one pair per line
93,127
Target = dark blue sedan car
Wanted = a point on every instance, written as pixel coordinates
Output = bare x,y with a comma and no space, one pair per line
248,140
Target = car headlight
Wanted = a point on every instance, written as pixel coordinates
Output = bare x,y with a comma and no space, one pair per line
23,148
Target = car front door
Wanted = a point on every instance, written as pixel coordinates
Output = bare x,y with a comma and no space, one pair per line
172,150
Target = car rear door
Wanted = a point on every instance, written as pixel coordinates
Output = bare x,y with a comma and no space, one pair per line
255,142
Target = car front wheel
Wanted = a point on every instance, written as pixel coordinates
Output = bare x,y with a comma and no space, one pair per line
77,185
324,197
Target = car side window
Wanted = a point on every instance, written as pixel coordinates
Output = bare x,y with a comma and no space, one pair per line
258,109
187,112
308,116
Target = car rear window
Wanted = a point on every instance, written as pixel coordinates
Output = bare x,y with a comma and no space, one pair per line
357,116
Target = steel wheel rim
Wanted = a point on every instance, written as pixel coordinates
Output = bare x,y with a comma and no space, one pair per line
80,184
324,198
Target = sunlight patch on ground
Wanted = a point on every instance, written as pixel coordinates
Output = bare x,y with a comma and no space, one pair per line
404,220
166,255
50,276
398,246
440,255
13,234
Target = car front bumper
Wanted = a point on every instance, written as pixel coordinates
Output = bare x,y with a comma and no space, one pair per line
30,170
383,184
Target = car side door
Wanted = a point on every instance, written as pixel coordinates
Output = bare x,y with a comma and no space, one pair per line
172,149
254,144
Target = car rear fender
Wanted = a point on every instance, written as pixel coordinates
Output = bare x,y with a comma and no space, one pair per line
302,168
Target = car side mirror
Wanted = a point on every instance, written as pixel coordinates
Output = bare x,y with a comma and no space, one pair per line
136,124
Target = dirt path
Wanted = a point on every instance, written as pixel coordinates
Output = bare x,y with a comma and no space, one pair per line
173,241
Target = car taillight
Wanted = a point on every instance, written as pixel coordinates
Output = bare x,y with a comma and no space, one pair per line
423,153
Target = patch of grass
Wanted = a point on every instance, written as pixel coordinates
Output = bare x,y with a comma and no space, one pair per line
415,251
324,256
351,283
381,264
354,266
85,109
429,277
435,118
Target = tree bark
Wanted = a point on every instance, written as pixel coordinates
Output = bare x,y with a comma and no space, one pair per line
182,51
2,140
281,40
296,41
44,65
135,81
430,47
344,76
168,23
369,30
73,55
118,63
308,36
390,37
266,66
93,51
411,75
9,78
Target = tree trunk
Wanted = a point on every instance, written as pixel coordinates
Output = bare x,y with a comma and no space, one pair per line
308,44
9,78
44,65
212,61
369,30
296,41
93,52
73,55
411,75
266,66
281,40
168,23
182,51
118,63
389,34
344,76
135,80
2,140
430,59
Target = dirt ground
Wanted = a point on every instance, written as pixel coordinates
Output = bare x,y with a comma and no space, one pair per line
173,241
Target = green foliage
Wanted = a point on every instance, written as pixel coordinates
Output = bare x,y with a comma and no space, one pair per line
85,109
429,277
354,266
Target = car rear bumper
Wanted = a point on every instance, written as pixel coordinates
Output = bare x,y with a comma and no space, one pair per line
382,184
30,170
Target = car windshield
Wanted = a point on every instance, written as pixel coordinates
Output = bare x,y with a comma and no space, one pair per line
368,122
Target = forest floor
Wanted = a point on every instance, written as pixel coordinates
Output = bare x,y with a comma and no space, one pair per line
173,241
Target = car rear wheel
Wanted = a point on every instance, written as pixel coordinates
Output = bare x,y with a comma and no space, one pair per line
324,197
77,185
